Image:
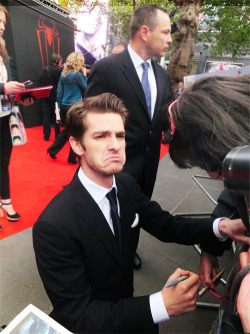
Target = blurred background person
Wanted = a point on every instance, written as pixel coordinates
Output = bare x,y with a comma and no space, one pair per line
7,86
71,88
179,90
120,47
50,76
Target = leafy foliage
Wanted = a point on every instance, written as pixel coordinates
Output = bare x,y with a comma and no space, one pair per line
228,27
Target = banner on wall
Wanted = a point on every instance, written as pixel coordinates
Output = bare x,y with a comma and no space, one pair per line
92,22
190,79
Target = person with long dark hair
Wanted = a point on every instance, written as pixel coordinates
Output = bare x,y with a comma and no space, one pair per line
209,120
71,87
7,86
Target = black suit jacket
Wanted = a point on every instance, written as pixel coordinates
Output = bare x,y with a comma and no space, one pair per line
116,74
88,279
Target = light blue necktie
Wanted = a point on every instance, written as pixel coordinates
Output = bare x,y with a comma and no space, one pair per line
145,86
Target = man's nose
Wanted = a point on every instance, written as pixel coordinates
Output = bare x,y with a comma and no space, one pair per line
114,144
2,26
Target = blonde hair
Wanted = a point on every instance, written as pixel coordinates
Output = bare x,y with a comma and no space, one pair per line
74,62
3,9
3,51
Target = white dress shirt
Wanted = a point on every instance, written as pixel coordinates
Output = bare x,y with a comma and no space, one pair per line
137,61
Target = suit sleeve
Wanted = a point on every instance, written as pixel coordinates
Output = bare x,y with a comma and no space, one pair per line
65,276
168,228
96,81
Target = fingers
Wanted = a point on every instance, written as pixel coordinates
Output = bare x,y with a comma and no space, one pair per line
178,273
244,239
13,87
181,298
244,258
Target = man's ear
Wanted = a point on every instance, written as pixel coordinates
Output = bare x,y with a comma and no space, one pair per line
76,146
144,33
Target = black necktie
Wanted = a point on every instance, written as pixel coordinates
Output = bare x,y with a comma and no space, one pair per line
111,196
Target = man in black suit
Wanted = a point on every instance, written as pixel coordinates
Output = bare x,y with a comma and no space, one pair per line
50,76
121,74
85,239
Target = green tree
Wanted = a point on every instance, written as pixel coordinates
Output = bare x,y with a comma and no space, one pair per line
228,27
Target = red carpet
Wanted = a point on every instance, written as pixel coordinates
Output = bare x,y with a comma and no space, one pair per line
35,179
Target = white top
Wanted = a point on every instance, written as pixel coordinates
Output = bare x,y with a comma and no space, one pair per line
137,61
3,79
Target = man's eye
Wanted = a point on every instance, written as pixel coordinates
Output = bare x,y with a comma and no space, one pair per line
100,137
121,136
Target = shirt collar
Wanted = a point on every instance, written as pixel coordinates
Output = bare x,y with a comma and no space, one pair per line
97,192
136,59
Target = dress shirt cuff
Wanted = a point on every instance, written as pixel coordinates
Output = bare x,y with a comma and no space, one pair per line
216,229
158,309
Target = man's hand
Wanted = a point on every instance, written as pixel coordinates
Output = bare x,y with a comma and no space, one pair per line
13,87
181,298
234,229
209,268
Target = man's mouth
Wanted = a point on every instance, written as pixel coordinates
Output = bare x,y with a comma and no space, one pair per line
114,158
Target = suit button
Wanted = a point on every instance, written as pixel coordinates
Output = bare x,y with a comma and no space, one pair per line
147,148
150,132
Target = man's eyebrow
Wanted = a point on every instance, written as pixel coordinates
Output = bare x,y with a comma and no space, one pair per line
103,132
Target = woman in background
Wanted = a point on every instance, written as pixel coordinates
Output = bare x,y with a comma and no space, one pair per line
71,88
6,87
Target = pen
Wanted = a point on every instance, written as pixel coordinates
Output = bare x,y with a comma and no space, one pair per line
214,280
176,281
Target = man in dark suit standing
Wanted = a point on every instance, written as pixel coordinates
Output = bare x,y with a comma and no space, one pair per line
123,75
50,76
86,238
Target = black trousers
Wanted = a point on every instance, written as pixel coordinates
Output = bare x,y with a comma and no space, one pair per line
48,118
5,154
61,139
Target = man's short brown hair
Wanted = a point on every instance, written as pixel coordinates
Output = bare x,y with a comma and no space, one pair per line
75,119
144,15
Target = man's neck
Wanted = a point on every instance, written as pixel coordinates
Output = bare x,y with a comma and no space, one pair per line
139,48
105,181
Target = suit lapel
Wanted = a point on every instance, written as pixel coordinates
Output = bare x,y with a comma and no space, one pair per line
130,73
159,87
91,215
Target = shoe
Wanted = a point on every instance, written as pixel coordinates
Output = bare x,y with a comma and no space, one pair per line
11,218
136,262
51,155
46,139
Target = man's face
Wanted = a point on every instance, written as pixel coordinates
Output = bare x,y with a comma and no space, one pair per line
159,39
2,23
103,145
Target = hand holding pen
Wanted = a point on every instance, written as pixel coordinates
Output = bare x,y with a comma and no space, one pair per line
181,297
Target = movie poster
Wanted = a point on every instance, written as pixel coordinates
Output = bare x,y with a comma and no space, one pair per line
92,24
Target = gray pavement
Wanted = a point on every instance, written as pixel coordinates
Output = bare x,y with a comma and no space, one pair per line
175,191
